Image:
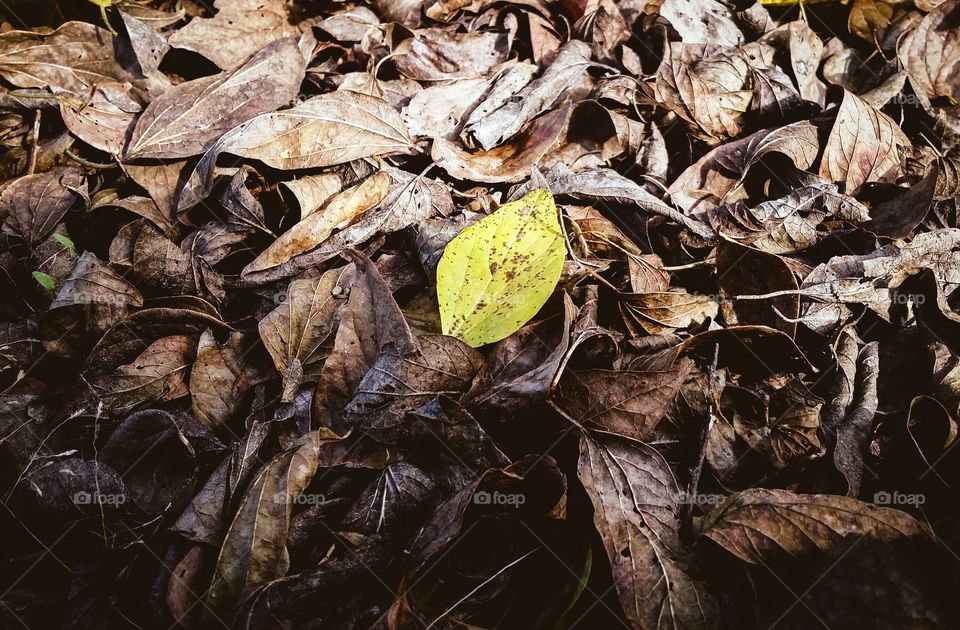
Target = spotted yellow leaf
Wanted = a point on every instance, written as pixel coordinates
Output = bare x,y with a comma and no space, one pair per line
496,274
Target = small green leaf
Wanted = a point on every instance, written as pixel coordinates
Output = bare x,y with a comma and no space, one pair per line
103,4
44,280
495,275
65,241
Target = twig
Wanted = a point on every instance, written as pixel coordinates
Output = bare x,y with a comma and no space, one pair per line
85,162
686,509
34,144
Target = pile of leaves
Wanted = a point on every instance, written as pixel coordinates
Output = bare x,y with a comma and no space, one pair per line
479,313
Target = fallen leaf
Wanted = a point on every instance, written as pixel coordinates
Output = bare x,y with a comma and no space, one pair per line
294,331
34,204
186,119
496,274
626,403
254,548
756,524
636,510
105,121
239,29
158,373
213,379
73,59
312,231
361,338
864,146
325,130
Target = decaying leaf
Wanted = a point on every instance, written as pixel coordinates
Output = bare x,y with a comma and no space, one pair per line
313,230
294,331
756,524
33,205
636,502
627,403
254,548
73,59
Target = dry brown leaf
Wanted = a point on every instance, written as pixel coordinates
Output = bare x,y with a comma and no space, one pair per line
757,524
239,29
33,205
931,53
105,122
865,145
311,232
509,162
213,378
254,549
73,59
325,130
293,332
186,119
636,510
627,403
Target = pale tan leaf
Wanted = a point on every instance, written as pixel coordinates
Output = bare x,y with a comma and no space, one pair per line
325,130
865,145
239,29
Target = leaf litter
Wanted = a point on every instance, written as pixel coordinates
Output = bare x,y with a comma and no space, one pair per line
515,314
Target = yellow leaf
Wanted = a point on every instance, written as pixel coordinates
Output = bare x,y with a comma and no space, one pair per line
496,274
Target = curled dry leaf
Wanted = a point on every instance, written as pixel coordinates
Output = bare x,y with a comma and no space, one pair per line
665,311
707,85
522,367
393,495
931,53
313,230
709,181
509,162
399,382
565,78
